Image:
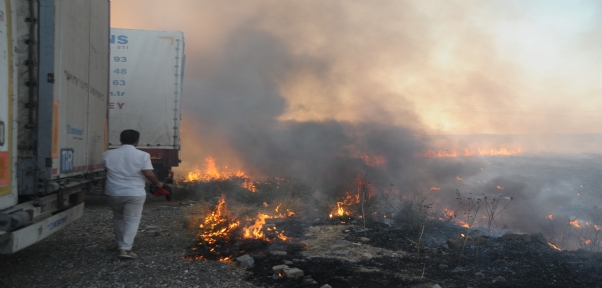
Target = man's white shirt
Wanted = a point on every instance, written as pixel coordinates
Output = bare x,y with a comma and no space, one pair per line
124,171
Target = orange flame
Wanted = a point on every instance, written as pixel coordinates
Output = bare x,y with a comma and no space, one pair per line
554,246
373,161
212,173
550,217
500,187
468,153
459,179
575,223
344,204
255,230
435,188
462,223
217,225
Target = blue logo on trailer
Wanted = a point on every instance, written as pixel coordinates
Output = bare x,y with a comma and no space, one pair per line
67,160
58,222
119,39
74,131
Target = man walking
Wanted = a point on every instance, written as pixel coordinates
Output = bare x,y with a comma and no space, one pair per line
127,167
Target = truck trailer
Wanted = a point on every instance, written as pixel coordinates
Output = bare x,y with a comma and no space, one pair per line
54,82
146,71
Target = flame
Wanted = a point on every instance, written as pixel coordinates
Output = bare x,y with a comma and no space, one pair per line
435,188
344,204
550,217
373,161
500,187
554,246
217,225
585,241
468,153
282,237
255,230
212,173
596,227
575,223
462,223
289,213
278,207
459,179
448,212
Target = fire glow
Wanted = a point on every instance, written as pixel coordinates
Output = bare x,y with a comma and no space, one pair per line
470,153
212,173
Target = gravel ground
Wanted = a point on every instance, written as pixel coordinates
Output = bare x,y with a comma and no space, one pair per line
84,255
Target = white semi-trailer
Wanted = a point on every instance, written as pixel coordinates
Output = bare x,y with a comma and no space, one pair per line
54,86
147,69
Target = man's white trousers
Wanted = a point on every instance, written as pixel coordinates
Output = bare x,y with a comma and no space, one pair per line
127,211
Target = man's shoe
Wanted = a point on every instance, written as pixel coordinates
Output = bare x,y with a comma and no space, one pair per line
127,254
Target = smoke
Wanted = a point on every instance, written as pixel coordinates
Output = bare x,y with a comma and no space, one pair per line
322,91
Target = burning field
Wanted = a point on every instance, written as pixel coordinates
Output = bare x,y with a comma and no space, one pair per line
479,229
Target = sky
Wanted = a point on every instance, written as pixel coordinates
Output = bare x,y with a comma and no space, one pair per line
443,67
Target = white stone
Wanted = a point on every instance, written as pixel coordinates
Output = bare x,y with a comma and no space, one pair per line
245,260
293,273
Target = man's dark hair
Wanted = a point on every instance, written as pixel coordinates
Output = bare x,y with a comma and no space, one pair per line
129,136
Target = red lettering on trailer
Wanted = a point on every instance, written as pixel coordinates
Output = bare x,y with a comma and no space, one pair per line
119,104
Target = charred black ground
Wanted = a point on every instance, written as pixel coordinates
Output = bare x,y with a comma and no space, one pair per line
419,246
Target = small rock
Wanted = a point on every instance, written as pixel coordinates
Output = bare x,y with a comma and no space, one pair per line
436,286
278,253
342,253
308,235
310,280
293,273
152,228
443,266
151,233
364,239
245,260
325,286
288,262
367,256
499,279
279,269
479,275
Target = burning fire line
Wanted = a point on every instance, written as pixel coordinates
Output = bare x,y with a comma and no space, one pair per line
212,173
470,153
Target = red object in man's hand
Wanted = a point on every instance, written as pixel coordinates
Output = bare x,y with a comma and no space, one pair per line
160,192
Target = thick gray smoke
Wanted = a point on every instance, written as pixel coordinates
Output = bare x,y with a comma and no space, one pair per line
240,100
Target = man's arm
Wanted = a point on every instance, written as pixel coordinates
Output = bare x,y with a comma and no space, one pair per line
150,176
